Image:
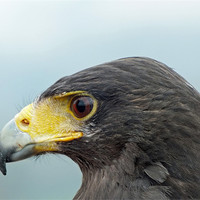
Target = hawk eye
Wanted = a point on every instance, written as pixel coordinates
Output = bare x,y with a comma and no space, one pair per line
81,106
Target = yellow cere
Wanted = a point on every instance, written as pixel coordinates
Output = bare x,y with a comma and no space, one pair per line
51,119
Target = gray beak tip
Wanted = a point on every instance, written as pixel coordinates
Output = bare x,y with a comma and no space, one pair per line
2,164
13,145
3,170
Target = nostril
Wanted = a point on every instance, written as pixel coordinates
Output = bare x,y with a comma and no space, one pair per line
25,122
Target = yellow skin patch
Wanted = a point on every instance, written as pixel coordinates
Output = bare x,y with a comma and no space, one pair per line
51,120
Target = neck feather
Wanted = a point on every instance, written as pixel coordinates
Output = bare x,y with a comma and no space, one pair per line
122,179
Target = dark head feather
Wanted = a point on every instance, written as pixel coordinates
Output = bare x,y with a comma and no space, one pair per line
148,119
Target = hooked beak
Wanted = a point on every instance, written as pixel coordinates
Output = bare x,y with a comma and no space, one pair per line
40,127
35,130
13,145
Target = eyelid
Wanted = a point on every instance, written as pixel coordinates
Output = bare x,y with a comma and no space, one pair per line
94,108
87,106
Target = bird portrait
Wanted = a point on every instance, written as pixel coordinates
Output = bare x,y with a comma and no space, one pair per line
132,125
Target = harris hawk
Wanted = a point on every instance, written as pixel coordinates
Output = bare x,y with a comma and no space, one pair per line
132,125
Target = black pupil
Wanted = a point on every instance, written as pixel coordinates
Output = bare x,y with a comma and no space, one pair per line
80,106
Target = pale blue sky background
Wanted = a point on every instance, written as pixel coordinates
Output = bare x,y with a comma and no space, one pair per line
41,41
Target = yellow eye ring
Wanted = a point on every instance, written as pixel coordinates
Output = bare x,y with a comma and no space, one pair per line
81,106
89,110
